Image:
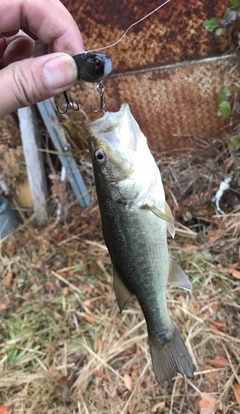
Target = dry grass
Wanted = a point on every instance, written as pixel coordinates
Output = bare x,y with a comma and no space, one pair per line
64,347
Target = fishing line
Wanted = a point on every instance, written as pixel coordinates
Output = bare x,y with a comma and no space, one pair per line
133,24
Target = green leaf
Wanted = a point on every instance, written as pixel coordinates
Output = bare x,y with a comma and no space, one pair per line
225,14
235,3
224,95
234,143
219,31
11,355
211,24
224,109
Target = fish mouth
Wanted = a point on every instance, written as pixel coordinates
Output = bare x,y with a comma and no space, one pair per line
117,129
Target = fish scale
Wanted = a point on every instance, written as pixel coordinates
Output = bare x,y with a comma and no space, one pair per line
138,259
135,219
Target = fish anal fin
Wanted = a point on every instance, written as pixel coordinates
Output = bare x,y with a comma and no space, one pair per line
177,277
170,225
122,293
170,359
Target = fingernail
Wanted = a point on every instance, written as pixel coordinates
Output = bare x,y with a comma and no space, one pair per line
60,71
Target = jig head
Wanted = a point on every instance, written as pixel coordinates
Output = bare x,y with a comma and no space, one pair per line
92,67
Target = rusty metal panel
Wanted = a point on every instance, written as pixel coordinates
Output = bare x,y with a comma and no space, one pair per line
173,34
172,104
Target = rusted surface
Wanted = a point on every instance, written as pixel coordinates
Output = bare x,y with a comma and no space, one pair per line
172,105
174,33
169,103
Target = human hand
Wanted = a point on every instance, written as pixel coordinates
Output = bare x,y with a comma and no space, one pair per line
37,40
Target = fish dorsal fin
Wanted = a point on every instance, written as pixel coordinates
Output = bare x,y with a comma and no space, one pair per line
170,225
122,293
166,216
177,277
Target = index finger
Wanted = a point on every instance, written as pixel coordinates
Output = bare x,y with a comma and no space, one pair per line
49,20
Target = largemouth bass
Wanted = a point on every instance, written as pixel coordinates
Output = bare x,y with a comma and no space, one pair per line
135,219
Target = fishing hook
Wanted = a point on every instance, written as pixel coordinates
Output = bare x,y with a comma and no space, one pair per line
91,67
71,105
100,90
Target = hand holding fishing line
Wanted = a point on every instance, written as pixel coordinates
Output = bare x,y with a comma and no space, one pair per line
47,31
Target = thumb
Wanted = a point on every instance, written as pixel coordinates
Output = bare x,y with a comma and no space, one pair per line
28,81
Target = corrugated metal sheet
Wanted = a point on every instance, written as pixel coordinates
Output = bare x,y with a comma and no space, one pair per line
172,104
174,33
161,67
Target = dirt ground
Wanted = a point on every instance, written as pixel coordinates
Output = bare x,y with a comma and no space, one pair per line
64,346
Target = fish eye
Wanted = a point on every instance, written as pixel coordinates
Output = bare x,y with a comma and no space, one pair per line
99,156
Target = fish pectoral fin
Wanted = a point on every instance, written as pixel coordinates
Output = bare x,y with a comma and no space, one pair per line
122,293
166,216
170,225
177,277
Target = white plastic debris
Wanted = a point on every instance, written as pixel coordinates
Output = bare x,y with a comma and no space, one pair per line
224,185
63,178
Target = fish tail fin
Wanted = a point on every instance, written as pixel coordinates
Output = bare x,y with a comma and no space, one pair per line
170,359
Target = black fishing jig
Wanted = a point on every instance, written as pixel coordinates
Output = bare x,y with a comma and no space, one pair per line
92,67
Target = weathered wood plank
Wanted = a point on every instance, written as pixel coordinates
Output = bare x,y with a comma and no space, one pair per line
34,163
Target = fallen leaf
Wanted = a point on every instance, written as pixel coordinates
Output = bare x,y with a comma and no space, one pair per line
127,381
130,351
219,325
89,318
228,164
234,266
5,410
99,343
236,388
158,405
101,286
235,273
100,374
8,279
120,391
88,304
208,404
190,246
116,320
52,373
65,291
62,389
213,306
212,233
4,305
60,237
219,362
134,374
212,376
87,288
